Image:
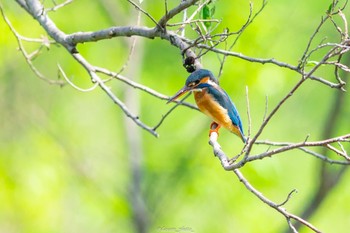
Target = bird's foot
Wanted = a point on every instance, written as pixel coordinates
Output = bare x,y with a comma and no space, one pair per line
214,127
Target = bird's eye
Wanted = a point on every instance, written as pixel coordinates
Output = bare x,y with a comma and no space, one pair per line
194,83
191,84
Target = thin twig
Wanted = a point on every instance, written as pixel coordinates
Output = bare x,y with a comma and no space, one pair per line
193,21
140,86
169,111
206,42
339,152
144,12
283,148
266,61
275,206
249,21
58,6
34,8
176,10
132,48
95,78
313,153
29,57
288,197
72,84
248,113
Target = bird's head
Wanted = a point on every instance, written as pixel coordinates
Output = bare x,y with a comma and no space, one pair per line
197,81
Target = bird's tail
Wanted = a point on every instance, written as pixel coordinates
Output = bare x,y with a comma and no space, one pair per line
244,138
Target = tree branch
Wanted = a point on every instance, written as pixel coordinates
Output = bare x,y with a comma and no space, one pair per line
36,9
332,54
284,147
273,205
170,14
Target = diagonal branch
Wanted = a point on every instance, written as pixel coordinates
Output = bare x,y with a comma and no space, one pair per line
273,205
170,14
140,86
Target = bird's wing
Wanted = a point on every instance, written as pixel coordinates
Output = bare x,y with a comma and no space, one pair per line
221,96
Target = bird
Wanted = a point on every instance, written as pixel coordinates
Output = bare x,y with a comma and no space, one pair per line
213,101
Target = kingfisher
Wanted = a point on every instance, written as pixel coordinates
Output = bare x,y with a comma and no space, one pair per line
213,101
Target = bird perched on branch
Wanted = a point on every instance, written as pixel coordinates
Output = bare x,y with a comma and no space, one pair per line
213,101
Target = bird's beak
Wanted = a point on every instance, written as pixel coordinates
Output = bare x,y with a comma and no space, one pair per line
182,91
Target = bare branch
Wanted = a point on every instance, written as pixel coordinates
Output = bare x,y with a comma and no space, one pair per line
170,110
284,147
248,113
267,61
58,6
123,31
170,14
35,8
250,20
275,206
72,84
29,57
288,197
95,78
339,152
144,12
315,154
218,152
193,21
207,41
140,87
344,138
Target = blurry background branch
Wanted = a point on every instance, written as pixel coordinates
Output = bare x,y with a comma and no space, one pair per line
329,176
196,37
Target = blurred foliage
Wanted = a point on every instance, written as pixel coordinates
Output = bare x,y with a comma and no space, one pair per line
64,163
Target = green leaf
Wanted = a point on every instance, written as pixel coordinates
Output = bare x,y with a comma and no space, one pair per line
206,12
330,8
311,63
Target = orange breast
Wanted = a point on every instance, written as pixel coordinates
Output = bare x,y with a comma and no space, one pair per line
215,111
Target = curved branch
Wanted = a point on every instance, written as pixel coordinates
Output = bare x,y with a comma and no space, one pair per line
35,8
95,78
170,14
29,57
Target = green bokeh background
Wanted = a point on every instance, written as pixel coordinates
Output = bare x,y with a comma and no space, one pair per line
65,159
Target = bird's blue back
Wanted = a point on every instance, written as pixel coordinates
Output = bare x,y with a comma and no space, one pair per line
224,100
